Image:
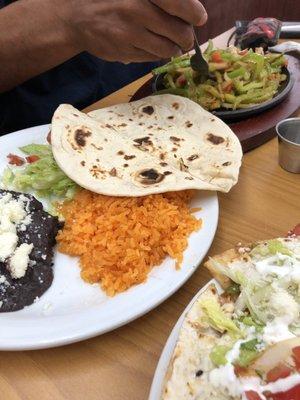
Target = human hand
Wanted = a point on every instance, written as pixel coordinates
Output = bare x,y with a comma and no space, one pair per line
133,30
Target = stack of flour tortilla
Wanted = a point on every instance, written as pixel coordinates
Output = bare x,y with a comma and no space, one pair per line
154,145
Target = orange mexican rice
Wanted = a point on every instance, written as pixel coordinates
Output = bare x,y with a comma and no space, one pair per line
120,239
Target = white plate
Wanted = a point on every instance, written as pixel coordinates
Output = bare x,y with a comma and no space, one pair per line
72,310
166,355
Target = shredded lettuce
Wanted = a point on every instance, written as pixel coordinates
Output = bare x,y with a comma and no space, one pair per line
248,352
271,248
43,177
233,289
234,272
218,355
217,319
249,321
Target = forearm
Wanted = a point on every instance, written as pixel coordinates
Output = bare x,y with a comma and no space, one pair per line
33,39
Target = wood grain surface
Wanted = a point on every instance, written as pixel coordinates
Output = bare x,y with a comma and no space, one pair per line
120,365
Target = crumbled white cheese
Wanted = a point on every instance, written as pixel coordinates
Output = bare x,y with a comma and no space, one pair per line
277,330
19,261
225,378
2,279
13,216
8,243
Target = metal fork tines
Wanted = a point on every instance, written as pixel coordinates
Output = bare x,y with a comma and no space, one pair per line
198,62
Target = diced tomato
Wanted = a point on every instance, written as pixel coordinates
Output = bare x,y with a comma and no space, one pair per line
15,160
295,231
240,371
181,81
216,57
292,394
279,372
228,87
31,159
296,356
252,395
49,137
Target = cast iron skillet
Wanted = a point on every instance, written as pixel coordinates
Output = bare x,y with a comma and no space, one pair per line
284,90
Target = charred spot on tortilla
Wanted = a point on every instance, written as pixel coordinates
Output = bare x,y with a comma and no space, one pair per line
189,178
213,290
175,105
49,137
162,156
175,139
150,127
82,163
182,166
113,172
125,165
163,164
188,124
96,171
212,119
225,164
174,149
214,139
75,115
143,141
120,153
148,110
167,173
96,147
193,157
199,373
141,123
171,117
129,157
122,125
149,176
80,136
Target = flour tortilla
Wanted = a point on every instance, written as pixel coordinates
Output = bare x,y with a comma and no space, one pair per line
158,144
196,340
188,373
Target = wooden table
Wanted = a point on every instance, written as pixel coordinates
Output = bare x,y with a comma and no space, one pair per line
120,365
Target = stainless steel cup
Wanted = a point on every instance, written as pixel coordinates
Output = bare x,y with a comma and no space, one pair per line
288,132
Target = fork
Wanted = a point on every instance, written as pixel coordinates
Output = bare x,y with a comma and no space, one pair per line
198,62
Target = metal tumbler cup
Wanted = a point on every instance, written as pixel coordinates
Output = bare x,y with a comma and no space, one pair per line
288,132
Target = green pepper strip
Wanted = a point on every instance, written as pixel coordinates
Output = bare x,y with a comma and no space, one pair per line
278,62
209,47
172,66
170,81
213,91
237,73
